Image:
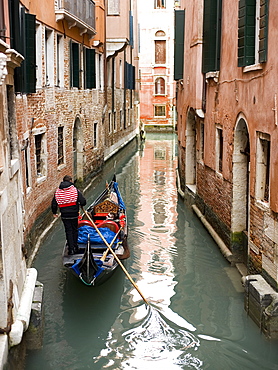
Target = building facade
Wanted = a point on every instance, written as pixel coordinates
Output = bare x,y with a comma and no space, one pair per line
122,103
156,64
227,127
66,107
15,278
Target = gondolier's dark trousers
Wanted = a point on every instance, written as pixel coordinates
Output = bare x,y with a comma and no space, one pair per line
71,229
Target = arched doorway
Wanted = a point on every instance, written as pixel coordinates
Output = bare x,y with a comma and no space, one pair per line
190,158
240,209
77,150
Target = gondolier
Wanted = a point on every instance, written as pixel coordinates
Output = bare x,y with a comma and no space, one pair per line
68,198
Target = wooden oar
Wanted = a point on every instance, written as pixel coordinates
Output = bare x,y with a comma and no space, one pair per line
111,245
116,257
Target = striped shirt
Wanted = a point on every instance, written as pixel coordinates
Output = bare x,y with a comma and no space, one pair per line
66,197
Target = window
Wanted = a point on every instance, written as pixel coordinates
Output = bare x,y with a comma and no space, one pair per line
121,73
2,22
23,40
160,86
211,35
160,51
121,119
40,155
90,68
27,162
160,111
113,7
110,122
129,76
159,4
262,167
219,150
60,61
39,73
74,65
202,140
49,58
252,32
12,134
95,134
179,44
114,121
60,145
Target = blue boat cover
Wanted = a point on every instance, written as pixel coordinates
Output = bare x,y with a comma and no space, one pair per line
86,230
120,199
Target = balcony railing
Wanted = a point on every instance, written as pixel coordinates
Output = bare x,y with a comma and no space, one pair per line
77,13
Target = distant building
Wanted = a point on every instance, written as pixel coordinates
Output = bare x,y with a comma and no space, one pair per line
156,64
225,68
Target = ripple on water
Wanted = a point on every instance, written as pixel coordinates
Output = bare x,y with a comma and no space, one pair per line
152,340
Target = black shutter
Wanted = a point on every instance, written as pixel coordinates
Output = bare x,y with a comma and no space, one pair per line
30,53
263,31
133,77
246,32
74,63
179,44
212,35
90,69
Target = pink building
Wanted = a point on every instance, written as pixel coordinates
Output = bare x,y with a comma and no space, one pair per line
227,127
156,60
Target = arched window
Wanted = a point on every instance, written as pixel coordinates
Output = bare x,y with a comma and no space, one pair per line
160,86
160,33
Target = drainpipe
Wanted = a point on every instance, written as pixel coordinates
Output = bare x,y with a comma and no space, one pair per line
24,311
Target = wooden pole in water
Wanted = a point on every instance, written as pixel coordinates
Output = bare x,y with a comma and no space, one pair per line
115,256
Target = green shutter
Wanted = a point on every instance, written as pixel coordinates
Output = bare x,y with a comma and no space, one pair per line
74,65
179,44
212,35
30,53
246,32
90,69
263,31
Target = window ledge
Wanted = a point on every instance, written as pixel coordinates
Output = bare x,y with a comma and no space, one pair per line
14,167
214,75
253,67
41,179
61,166
192,188
262,205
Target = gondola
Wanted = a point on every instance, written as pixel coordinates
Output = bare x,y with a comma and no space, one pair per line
104,223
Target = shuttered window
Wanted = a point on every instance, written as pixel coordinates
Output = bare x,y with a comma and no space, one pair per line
212,35
179,44
30,54
23,39
90,68
129,76
252,32
74,65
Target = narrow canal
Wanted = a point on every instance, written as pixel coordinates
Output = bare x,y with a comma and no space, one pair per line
196,318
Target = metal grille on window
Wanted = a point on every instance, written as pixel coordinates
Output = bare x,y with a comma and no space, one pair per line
60,145
38,146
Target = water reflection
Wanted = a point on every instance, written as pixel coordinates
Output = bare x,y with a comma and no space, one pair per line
195,318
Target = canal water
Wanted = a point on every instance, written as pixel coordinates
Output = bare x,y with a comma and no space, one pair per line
195,318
